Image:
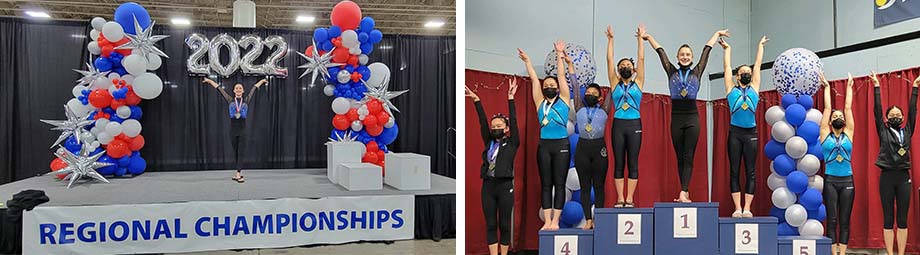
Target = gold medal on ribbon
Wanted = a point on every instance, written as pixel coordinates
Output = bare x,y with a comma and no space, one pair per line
625,106
902,151
491,166
237,115
683,93
545,121
839,158
744,106
588,127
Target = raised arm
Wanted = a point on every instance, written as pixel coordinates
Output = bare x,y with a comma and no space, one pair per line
755,76
826,115
848,107
608,101
727,64
912,107
483,122
536,89
879,120
640,62
512,113
217,86
704,55
254,88
662,55
715,37
573,78
612,75
564,92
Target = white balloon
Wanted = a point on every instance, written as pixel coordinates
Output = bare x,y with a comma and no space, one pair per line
362,112
343,76
87,137
78,90
96,130
93,47
782,131
102,83
135,64
775,181
774,114
570,127
78,108
94,145
814,115
113,76
378,72
101,123
796,215
123,112
113,128
112,90
571,181
131,127
568,194
356,125
112,31
816,182
783,198
153,61
350,38
97,23
340,105
390,122
812,228
796,147
129,79
580,224
354,51
104,137
772,170
94,34
329,90
362,59
148,86
809,164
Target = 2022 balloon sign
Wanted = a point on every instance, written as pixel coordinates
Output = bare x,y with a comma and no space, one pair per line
210,49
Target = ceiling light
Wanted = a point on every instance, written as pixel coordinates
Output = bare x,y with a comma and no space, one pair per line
38,14
181,21
434,24
305,19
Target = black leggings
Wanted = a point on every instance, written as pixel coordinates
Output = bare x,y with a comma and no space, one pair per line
742,143
237,142
838,197
553,162
894,186
497,203
627,140
591,165
685,133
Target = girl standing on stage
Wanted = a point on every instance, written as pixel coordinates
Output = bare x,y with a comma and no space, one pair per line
239,111
626,134
837,143
742,135
684,83
591,150
551,100
894,160
500,135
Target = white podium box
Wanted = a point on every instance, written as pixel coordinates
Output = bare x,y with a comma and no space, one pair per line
360,176
408,171
341,152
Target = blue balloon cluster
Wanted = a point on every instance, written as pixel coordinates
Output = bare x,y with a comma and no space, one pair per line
572,212
367,36
111,63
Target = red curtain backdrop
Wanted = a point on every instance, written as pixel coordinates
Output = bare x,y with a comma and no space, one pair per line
866,221
658,180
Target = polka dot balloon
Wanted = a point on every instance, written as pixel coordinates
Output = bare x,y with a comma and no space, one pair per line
581,57
796,72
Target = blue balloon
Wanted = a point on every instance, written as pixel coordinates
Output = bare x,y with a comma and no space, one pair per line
783,164
388,135
116,119
806,101
103,64
120,70
795,114
72,145
375,36
576,196
320,34
120,171
563,225
572,213
367,25
784,229
778,213
796,181
334,31
362,37
326,46
349,68
364,71
367,48
820,214
127,12
96,151
124,161
773,149
136,112
816,150
108,110
811,199
809,131
137,166
336,133
788,100
107,170
573,141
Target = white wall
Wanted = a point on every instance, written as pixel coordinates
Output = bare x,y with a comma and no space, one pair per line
496,28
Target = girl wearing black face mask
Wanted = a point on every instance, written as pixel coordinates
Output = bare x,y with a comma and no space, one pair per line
626,135
684,83
742,135
837,144
500,137
591,150
894,160
551,99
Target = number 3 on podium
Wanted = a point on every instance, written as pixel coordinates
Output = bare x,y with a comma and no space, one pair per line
803,247
566,245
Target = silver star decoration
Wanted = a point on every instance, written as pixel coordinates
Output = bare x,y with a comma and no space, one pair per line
90,75
318,64
80,166
348,137
383,94
143,41
72,126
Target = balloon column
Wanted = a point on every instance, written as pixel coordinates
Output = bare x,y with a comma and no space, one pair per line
794,149
107,96
362,99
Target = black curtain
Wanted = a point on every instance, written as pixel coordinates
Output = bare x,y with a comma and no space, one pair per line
186,127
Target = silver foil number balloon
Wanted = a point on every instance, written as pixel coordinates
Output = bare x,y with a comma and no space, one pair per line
224,40
246,64
199,45
272,65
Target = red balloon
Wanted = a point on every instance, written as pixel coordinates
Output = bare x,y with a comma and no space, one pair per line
309,51
383,117
117,103
380,156
340,55
374,130
106,50
353,60
337,42
100,98
352,114
124,52
374,106
369,157
340,122
131,98
137,143
57,164
355,76
372,146
370,120
117,148
346,15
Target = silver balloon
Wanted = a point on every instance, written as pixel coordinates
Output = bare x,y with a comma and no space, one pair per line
812,228
796,215
774,114
220,41
329,90
72,126
390,122
343,76
570,127
783,198
356,125
809,164
796,147
775,181
814,115
272,65
199,46
246,64
782,131
80,166
571,181
816,182
362,59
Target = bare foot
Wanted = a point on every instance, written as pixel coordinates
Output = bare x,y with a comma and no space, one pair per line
553,226
588,225
545,226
